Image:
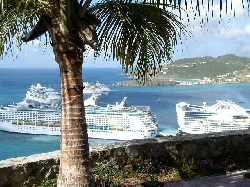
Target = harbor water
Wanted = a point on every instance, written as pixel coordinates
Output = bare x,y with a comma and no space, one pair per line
161,99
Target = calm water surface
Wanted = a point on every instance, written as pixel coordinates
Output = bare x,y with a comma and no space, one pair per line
162,100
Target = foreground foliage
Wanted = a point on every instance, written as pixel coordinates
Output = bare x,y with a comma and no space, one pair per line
154,172
138,34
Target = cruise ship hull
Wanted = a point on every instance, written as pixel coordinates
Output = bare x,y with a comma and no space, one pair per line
210,127
106,122
29,129
116,134
222,116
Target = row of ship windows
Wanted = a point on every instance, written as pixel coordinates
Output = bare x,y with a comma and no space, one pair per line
50,116
106,117
29,116
93,130
29,120
100,119
33,128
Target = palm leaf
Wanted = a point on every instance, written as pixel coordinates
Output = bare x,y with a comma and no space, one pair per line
139,35
16,17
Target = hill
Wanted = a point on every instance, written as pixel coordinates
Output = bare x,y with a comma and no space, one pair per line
223,68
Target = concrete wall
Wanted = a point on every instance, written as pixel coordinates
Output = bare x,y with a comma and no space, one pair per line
26,171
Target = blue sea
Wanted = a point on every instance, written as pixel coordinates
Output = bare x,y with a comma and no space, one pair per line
162,100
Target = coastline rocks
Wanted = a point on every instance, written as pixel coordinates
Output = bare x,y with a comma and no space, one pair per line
147,83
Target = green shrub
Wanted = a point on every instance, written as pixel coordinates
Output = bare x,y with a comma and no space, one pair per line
49,183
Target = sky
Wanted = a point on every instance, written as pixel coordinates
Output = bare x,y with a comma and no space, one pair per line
231,36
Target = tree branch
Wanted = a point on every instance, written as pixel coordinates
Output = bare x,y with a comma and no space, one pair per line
85,7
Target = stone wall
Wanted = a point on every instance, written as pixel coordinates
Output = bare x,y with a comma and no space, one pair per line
26,171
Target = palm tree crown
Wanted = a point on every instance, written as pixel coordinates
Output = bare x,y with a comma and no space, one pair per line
140,35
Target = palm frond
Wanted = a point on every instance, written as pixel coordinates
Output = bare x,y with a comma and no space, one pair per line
16,17
139,35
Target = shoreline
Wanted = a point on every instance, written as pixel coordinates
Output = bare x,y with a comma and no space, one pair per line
170,82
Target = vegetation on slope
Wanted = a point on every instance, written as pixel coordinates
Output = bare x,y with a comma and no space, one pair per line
197,68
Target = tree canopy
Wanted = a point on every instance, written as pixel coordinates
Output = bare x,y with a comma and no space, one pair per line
140,35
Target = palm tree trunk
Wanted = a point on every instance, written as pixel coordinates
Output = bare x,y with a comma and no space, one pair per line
75,169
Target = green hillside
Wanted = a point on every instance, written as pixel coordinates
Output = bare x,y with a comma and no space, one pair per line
228,67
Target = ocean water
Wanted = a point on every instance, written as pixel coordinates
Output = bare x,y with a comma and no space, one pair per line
162,100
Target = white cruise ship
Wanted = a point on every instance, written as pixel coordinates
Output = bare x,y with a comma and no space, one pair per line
110,122
42,95
95,88
222,116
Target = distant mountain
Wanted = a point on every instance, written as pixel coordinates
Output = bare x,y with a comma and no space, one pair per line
228,66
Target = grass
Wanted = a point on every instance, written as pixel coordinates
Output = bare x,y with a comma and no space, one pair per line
154,172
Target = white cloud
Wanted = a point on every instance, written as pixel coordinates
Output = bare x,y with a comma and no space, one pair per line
246,48
233,31
89,52
236,11
33,46
210,16
36,43
247,30
230,31
207,9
